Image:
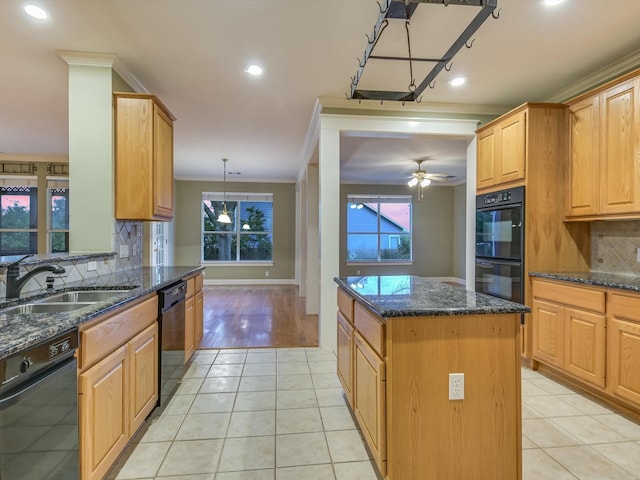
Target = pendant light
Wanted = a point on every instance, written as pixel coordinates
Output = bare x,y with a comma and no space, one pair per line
224,216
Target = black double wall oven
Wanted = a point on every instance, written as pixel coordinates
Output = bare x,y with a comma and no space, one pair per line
500,244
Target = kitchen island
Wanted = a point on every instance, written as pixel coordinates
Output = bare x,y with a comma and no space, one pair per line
432,374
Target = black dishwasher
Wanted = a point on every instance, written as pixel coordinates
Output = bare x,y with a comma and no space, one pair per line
171,301
39,411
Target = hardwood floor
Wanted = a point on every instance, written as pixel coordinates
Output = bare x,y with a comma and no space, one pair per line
257,316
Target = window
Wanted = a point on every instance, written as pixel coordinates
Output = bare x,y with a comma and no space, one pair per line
58,220
249,236
378,228
19,216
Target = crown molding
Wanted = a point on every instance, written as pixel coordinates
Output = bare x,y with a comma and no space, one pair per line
603,75
9,157
107,60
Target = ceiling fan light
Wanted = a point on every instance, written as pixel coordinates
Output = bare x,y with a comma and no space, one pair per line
246,227
425,182
224,218
413,182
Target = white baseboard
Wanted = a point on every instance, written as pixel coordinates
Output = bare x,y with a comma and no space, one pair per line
250,281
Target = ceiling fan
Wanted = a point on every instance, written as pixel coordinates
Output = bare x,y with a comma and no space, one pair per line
423,179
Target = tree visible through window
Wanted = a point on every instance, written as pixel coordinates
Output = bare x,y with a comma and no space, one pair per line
248,238
378,228
58,220
18,220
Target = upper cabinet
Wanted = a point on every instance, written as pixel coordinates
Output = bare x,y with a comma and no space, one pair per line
144,158
604,163
502,151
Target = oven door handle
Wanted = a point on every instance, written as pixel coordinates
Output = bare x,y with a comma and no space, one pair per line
12,397
490,263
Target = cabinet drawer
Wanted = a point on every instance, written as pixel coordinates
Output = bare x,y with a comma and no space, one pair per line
199,279
345,305
191,286
112,332
585,298
625,306
371,329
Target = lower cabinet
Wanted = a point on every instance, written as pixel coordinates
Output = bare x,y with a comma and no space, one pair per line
117,383
345,357
369,399
623,347
199,317
568,337
189,328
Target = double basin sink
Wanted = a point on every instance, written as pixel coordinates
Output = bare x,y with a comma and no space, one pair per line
63,302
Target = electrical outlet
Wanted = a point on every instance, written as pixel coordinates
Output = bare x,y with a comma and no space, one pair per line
456,386
124,251
91,266
638,254
266,273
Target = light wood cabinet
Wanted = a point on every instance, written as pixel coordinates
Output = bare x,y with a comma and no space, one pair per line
604,167
189,328
143,158
117,382
199,317
345,357
502,151
623,347
400,396
569,329
369,396
584,186
548,332
103,414
143,354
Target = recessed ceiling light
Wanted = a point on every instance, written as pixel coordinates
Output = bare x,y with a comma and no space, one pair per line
458,81
552,3
254,69
36,12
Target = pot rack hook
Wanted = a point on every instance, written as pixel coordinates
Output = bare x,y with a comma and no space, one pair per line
382,10
347,95
361,64
496,15
448,66
469,45
432,84
419,99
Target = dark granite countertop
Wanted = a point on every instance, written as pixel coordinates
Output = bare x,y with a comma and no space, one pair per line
609,280
51,257
19,331
410,296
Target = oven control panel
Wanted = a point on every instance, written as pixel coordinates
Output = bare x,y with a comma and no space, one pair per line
31,360
504,197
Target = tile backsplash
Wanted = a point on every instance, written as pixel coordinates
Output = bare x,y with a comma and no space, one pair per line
614,247
127,233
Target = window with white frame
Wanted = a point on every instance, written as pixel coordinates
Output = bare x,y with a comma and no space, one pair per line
378,228
18,215
245,235
58,214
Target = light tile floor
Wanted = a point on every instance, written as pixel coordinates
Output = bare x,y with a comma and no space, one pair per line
265,414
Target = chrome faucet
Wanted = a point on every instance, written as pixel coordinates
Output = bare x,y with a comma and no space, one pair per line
15,282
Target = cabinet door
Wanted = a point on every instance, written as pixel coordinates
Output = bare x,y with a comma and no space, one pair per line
512,144
104,414
189,328
143,361
619,169
583,189
585,345
486,161
623,358
199,317
163,164
548,332
369,392
345,357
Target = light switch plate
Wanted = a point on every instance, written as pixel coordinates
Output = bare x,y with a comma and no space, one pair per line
91,266
124,251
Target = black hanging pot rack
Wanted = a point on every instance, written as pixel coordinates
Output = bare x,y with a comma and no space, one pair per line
404,9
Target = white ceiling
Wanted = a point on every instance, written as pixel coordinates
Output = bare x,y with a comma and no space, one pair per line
191,53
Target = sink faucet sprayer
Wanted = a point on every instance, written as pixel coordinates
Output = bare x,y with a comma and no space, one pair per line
15,282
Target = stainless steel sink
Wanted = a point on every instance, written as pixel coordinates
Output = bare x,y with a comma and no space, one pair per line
44,307
80,296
